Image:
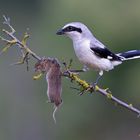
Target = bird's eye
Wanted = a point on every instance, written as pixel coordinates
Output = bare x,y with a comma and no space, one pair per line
70,28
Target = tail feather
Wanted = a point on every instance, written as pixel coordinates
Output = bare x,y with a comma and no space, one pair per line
129,55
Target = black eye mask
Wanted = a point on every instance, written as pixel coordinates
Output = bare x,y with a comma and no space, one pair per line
72,28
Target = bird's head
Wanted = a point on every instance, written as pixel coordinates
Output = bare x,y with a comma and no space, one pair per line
75,30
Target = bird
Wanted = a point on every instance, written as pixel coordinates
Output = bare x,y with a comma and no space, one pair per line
92,53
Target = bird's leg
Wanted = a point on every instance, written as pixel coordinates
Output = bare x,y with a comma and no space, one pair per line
99,76
85,68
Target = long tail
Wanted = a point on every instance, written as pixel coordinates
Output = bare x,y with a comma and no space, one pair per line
129,55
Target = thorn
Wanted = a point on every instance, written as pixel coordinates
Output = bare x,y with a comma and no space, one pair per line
3,39
81,93
17,63
65,65
3,30
75,88
5,18
107,90
5,49
70,64
130,105
23,59
7,22
27,61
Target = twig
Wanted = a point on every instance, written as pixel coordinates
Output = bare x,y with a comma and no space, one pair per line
120,102
15,41
87,87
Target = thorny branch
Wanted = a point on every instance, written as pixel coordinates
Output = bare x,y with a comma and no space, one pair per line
86,87
51,67
25,51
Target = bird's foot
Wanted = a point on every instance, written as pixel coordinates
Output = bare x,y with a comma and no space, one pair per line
85,68
94,86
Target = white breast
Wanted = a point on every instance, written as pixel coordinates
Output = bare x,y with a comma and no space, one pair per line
88,58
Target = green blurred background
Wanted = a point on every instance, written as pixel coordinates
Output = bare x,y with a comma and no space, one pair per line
24,113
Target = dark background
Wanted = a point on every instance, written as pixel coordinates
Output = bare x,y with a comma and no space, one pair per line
24,113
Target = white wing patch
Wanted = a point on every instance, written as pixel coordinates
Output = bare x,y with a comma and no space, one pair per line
109,57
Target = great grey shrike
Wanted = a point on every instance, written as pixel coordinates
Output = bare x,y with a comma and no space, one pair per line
91,52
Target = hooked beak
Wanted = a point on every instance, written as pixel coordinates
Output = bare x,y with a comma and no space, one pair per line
60,32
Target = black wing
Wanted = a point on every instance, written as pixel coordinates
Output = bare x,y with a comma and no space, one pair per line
103,52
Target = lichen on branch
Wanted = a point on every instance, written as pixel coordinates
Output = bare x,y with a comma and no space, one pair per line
14,41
